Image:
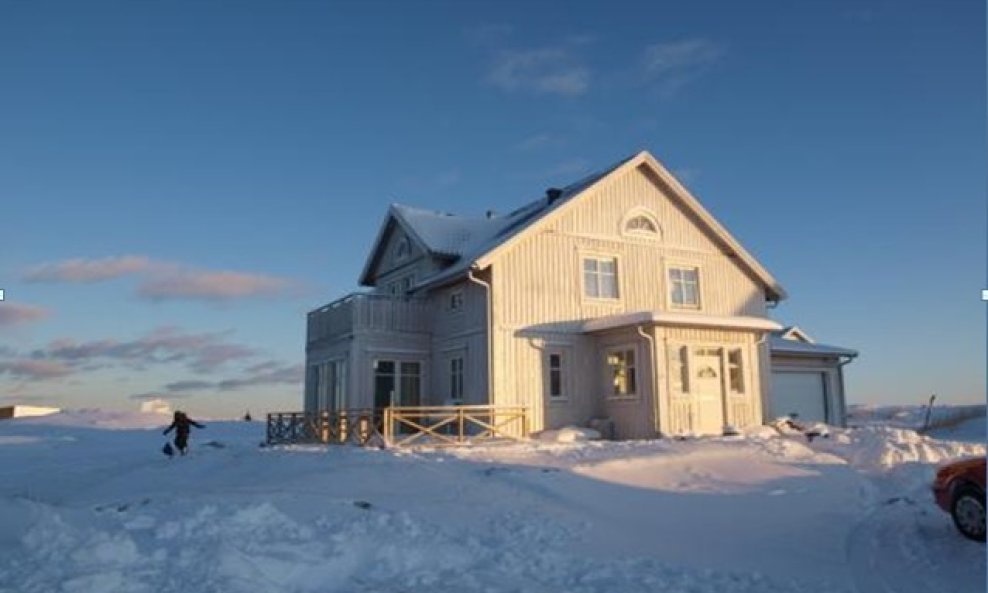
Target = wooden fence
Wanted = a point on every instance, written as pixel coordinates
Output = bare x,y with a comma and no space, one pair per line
400,426
361,427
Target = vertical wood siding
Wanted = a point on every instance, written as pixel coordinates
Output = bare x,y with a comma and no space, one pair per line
538,297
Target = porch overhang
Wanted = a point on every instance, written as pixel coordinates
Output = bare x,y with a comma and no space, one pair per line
740,322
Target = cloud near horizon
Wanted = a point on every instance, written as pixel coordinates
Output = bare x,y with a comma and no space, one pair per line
161,280
200,353
266,373
17,313
33,369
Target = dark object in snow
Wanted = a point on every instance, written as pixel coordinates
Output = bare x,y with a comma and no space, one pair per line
362,504
182,425
247,417
167,449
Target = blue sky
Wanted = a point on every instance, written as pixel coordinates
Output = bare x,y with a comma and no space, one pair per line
180,182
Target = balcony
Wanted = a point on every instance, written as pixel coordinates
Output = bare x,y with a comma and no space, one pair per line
361,312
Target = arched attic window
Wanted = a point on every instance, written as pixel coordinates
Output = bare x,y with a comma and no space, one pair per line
641,224
403,249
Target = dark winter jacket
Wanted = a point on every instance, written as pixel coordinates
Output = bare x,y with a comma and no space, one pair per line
182,424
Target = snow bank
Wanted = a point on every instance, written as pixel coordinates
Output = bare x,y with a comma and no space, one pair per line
568,434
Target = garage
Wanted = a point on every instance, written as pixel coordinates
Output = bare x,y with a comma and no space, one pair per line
807,378
800,395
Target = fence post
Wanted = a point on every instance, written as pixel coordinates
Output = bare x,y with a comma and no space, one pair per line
387,426
459,413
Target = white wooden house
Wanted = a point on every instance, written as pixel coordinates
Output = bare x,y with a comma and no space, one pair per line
616,297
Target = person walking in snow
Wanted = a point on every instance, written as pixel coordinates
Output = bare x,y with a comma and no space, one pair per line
182,425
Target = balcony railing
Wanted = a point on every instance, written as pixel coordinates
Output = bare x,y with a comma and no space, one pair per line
368,312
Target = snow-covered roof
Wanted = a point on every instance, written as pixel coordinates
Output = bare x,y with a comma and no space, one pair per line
781,345
690,319
472,240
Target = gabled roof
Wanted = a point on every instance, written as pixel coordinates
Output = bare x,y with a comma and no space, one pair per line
780,345
794,341
477,241
794,332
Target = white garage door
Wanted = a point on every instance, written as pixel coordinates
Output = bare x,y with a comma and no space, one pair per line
799,393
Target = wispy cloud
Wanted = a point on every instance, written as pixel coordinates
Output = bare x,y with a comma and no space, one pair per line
190,385
17,313
210,286
567,168
201,353
89,270
162,280
548,70
287,374
266,373
538,142
35,370
670,66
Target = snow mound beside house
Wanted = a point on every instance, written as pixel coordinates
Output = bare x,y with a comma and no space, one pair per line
568,434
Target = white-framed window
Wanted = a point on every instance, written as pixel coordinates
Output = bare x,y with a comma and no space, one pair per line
401,286
455,302
679,374
735,371
622,372
684,287
403,249
600,277
330,385
456,378
555,374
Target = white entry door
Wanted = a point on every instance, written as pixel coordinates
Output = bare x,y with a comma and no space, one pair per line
707,391
799,393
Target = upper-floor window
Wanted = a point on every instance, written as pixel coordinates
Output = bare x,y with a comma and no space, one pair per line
455,302
403,249
600,280
684,287
622,371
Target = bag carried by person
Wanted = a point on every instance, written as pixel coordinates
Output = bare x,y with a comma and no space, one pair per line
168,450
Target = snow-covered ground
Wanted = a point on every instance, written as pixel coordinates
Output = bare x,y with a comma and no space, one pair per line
90,505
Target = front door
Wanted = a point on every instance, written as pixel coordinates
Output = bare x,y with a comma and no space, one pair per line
707,392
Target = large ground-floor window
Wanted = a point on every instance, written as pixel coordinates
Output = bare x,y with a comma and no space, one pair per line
329,384
397,383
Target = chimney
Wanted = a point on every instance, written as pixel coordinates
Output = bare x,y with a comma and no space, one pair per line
553,193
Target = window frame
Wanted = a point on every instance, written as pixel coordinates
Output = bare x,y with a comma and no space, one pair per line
403,249
584,256
741,365
454,304
635,213
564,383
457,378
669,285
636,379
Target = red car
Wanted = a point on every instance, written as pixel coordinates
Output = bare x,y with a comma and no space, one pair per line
959,489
